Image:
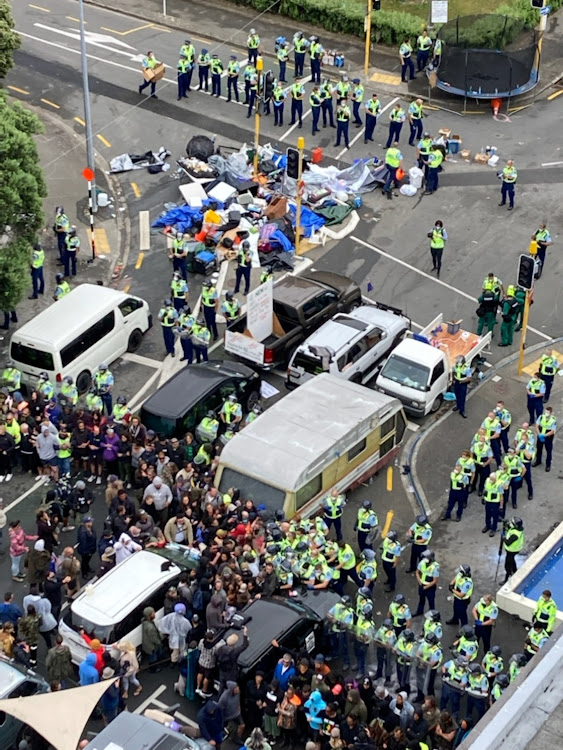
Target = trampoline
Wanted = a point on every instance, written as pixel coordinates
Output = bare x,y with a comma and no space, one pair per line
488,57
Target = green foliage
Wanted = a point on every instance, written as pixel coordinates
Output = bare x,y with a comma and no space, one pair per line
9,39
482,32
14,271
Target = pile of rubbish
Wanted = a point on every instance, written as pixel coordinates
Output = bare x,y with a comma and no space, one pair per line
154,162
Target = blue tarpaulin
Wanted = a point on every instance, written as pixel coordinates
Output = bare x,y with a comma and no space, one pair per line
183,217
310,222
280,238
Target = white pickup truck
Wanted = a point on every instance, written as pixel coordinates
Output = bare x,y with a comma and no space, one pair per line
419,370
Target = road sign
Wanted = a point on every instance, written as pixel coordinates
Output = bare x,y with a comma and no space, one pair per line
439,11
545,11
88,174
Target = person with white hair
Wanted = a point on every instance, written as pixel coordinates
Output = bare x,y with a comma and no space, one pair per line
130,666
125,547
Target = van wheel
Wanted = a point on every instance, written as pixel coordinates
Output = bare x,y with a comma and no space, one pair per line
252,400
135,340
436,405
357,378
83,382
354,305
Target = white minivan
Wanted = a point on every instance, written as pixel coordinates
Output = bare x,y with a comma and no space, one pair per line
90,325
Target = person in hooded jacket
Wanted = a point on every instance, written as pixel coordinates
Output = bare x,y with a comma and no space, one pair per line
355,705
229,703
87,671
176,626
210,723
38,560
227,658
214,612
313,709
418,729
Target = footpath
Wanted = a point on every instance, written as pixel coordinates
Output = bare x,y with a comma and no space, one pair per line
229,24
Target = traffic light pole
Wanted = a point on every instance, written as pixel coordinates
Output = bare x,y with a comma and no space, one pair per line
300,148
524,329
259,69
368,37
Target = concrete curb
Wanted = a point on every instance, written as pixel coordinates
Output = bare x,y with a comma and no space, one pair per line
409,454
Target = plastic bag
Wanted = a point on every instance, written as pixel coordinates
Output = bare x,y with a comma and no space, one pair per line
409,190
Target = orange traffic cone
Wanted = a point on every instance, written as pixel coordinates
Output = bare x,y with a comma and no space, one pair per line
495,104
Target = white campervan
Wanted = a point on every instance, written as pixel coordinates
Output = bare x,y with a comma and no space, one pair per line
90,325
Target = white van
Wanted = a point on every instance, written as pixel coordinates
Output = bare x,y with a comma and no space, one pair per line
111,607
90,325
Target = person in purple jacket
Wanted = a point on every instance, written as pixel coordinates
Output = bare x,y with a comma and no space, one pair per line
111,445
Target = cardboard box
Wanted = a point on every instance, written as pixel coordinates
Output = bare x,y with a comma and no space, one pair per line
154,74
465,153
481,158
446,132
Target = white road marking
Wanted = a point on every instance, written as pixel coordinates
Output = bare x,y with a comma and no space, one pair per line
34,486
132,357
151,699
432,278
89,40
552,163
292,127
496,378
412,426
363,129
177,714
144,231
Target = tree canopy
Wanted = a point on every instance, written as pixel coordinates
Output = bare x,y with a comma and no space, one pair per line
10,41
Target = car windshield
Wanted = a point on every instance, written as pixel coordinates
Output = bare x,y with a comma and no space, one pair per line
309,363
405,372
252,489
163,426
26,355
102,633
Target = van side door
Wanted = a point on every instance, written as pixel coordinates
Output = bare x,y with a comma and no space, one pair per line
438,381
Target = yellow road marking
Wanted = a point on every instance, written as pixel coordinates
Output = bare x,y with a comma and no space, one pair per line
72,18
388,522
38,7
126,288
51,104
136,190
534,366
389,479
102,244
139,262
429,106
518,109
131,31
166,31
20,91
80,121
386,78
554,95
103,140
474,112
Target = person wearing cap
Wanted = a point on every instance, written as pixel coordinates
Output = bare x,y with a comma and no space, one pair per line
162,496
233,70
297,95
357,99
187,50
253,46
316,51
176,626
72,248
373,108
342,123
423,149
415,115
227,657
216,67
315,102
203,63
87,545
183,66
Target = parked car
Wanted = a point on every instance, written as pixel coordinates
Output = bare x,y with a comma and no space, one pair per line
18,682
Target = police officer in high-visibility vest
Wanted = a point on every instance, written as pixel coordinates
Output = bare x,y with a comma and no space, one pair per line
357,99
315,102
537,638
231,411
393,159
183,329
343,87
230,308
493,499
515,665
419,534
415,115
69,392
253,93
61,227
297,96
364,632
203,63
216,67
454,682
435,159
405,648
208,428
424,45
333,508
546,427
397,117
279,96
400,614
266,275
187,50
405,55
492,663
327,90
44,386
483,455
429,655
233,70
462,589
178,255
244,263
427,574
149,63
438,237
385,640
390,555
168,316
104,382
437,53
468,467
423,149
11,379
342,123
121,412
62,288
477,691
210,303
201,336
346,562
543,240
509,175
183,66
513,543
179,291
283,56
252,46
249,74
525,446
316,53
466,645
300,45
373,108
505,418
548,369
94,401
462,376
485,613
72,248
546,612
37,278
459,488
366,522
492,426
365,572
535,390
514,467
341,619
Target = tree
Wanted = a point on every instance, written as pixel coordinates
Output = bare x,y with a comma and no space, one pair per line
22,188
10,41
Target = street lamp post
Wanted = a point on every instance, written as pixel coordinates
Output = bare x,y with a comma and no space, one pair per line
87,113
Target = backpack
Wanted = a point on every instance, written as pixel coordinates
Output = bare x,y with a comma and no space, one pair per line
197,601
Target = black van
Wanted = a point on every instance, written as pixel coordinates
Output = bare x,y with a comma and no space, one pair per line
180,405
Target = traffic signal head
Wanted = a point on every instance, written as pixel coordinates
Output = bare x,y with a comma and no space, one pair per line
376,4
526,267
537,3
268,86
292,168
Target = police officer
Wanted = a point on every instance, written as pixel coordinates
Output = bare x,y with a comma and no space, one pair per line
333,508
365,574
44,386
405,648
244,263
149,63
342,123
525,446
545,612
203,64
249,74
505,418
483,455
216,67
11,380
179,291
435,159
429,655
283,56
393,159
316,52
515,665
468,467
548,369
254,414
514,467
357,99
210,303
424,45
437,52
279,96
466,645
405,52
62,288
183,67
187,50
231,411
208,428
423,149
415,115
315,102
537,637
420,534
454,682
546,427
535,390
509,312
61,227
462,376
390,555
233,70
461,587
400,614
485,613
459,487
487,311
104,381
364,632
252,93
37,278
327,109
266,275
500,684
438,237
230,308
396,119
366,522
69,391
427,574
543,240
252,46
493,663
493,500
492,426
168,316
509,175
341,619
120,411
343,87
300,45
297,96
94,401
385,640
184,327
178,254
72,248
201,337
513,542
373,108
477,691
346,562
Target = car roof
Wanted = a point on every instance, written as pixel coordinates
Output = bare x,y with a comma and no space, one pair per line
417,350
107,600
10,677
129,730
190,385
295,290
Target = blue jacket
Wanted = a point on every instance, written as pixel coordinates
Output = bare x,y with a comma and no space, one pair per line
284,677
87,671
10,613
86,541
210,722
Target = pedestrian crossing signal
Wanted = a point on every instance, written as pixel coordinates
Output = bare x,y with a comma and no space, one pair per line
526,267
292,168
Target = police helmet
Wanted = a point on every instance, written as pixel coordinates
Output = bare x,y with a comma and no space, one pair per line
80,485
276,534
365,592
176,275
230,296
93,390
460,661
273,549
257,409
103,367
517,523
289,553
502,680
200,321
496,650
366,504
399,599
10,363
232,398
121,400
286,566
433,615
302,547
408,635
431,638
269,269
368,555
468,632
252,31
207,283
280,515
72,230
426,135
211,414
345,599
476,668
298,35
519,659
43,375
421,520
367,609
167,302
60,209
392,536
59,277
388,623
186,309
429,554
245,245
465,570
68,380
